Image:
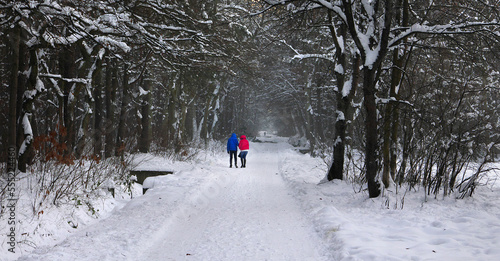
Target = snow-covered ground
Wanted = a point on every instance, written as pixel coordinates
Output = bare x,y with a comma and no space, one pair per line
274,210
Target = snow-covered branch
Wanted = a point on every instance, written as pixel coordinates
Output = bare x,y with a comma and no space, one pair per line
463,28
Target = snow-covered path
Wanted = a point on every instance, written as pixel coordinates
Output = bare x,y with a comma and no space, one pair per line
248,217
212,213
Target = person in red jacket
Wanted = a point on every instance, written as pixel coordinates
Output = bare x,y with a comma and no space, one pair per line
244,147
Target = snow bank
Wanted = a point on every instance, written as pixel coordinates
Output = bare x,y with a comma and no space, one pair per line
395,226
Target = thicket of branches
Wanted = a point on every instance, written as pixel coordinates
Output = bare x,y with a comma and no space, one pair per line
412,84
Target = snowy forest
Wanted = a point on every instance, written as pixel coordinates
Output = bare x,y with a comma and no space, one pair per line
412,85
387,93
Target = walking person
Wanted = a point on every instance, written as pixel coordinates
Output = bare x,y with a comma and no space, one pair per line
232,149
244,147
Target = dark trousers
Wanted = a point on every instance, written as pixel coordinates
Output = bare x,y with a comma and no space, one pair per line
232,153
243,156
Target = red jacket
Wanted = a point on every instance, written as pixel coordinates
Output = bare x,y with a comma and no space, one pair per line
244,143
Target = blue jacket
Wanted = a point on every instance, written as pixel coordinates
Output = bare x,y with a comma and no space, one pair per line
232,143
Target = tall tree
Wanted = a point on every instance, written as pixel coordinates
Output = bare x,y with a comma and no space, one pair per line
145,137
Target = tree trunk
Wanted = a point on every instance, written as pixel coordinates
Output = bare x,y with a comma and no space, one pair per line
308,114
98,113
391,123
110,89
371,132
122,120
336,170
210,103
171,124
179,144
90,70
318,121
84,130
204,126
145,138
395,111
14,39
345,114
191,127
407,141
68,68
26,152
22,82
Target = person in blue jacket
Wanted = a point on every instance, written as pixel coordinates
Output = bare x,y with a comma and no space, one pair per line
232,149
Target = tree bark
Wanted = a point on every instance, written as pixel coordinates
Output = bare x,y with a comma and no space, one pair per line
14,39
371,135
89,70
181,132
122,120
391,117
171,124
22,86
344,107
336,170
391,123
110,89
145,138
98,113
318,121
68,68
308,113
26,154
191,122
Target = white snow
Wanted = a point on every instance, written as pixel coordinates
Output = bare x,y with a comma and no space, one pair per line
340,116
346,89
339,69
28,133
142,92
275,210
